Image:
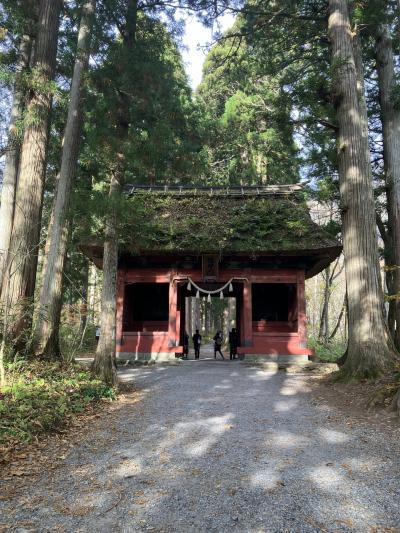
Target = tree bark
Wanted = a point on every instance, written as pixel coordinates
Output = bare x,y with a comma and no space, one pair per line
104,364
92,296
84,305
323,334
339,320
20,274
11,166
197,314
390,117
359,65
49,312
387,241
370,351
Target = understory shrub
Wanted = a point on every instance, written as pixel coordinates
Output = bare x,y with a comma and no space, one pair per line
328,353
73,343
41,397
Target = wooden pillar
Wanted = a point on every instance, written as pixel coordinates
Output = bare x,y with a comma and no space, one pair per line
188,314
120,307
173,300
247,313
179,319
301,310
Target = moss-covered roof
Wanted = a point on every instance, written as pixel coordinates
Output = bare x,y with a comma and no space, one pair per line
170,223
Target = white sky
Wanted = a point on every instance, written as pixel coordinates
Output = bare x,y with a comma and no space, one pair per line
196,37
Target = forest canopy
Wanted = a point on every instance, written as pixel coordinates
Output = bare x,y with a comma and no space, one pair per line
96,96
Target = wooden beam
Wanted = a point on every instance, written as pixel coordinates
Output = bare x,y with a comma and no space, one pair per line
173,301
301,310
247,315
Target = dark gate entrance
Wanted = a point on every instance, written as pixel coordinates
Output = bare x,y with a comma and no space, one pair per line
208,317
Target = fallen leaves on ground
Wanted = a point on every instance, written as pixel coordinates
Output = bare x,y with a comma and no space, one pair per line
21,461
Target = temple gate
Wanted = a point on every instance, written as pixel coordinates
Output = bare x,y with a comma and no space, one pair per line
256,244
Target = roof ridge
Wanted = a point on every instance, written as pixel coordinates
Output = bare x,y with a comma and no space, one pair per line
218,190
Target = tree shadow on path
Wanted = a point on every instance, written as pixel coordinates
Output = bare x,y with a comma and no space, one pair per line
221,447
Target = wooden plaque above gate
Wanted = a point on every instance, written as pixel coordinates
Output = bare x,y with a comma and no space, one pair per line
210,267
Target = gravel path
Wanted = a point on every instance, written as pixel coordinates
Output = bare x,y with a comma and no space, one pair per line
218,446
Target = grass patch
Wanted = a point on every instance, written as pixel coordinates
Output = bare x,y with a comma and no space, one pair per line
42,397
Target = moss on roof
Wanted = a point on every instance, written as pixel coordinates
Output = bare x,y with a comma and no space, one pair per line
172,223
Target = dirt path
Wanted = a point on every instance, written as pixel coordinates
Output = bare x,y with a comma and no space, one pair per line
216,446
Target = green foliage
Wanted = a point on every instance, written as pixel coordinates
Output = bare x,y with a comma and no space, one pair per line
41,397
249,135
73,341
328,353
161,123
206,223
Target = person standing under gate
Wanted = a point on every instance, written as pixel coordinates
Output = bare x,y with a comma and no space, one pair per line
196,344
233,343
217,344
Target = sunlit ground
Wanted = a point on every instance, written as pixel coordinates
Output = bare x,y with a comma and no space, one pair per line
216,446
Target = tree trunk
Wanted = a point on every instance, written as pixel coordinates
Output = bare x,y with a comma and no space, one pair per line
84,305
323,334
359,65
48,318
390,117
11,166
20,274
51,350
370,351
339,320
92,297
104,365
197,324
225,322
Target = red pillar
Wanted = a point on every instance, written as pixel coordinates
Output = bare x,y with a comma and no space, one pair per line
178,316
301,310
173,300
247,315
120,307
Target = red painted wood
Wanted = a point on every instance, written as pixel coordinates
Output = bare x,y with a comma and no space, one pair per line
162,275
260,339
247,315
276,344
150,326
172,320
263,326
120,305
301,308
146,343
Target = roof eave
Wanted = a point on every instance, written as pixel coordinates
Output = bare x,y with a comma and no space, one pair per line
324,256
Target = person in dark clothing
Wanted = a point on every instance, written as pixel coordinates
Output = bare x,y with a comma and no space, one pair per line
217,344
185,345
233,343
196,344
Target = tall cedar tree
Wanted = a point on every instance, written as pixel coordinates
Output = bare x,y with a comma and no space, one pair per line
370,351
11,166
104,365
250,135
390,117
48,320
20,275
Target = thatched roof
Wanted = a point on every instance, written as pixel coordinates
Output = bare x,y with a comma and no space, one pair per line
257,224
202,224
